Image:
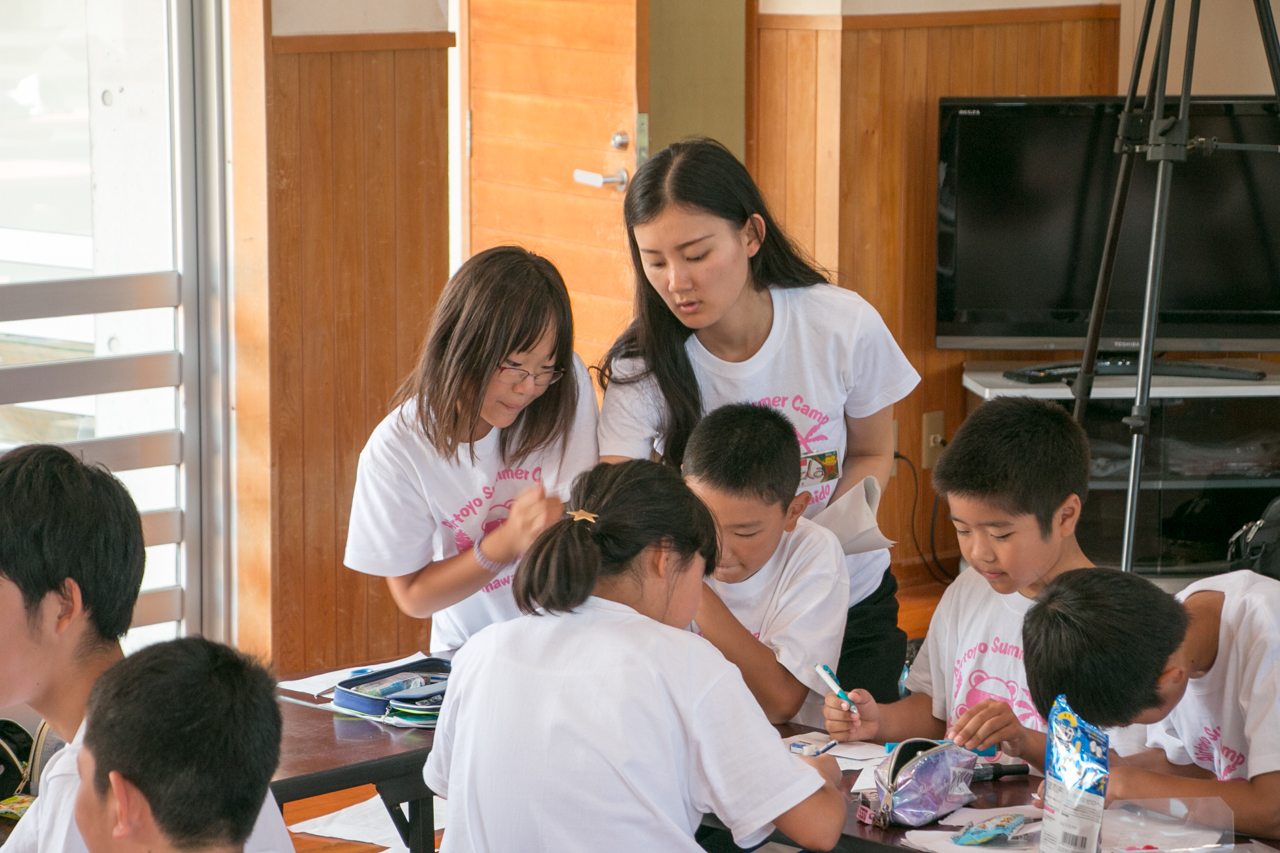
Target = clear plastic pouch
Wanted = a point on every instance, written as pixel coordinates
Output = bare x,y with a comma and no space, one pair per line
1177,825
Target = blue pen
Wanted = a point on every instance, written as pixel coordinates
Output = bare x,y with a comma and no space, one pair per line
825,673
811,750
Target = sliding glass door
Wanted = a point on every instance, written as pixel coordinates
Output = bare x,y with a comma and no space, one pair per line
101,335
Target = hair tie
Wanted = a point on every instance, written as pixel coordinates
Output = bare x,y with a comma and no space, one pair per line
582,515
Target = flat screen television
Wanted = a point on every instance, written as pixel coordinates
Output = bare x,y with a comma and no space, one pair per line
1024,192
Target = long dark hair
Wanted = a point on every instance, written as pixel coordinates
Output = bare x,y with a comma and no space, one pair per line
637,504
700,174
499,301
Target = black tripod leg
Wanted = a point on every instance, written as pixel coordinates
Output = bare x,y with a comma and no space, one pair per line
1270,43
1083,386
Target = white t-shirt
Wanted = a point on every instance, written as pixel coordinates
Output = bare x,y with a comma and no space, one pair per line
828,355
412,506
1228,721
603,729
795,605
973,651
49,826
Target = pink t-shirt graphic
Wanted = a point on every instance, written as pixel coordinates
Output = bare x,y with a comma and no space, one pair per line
1210,749
981,685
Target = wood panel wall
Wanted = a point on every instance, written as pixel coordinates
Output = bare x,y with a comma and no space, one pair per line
845,151
357,201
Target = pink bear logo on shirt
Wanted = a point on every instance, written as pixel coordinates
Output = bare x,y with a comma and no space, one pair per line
983,686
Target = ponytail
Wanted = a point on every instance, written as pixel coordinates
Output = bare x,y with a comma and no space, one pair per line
636,505
700,174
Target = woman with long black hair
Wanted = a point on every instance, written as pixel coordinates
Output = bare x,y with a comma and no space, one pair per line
728,310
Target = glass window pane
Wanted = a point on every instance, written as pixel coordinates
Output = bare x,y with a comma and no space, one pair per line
152,488
79,418
162,567
87,336
139,638
85,139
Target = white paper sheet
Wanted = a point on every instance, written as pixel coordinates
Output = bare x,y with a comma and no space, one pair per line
857,751
316,684
866,780
366,822
964,817
934,841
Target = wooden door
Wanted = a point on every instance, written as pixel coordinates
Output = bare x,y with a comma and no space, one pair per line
550,83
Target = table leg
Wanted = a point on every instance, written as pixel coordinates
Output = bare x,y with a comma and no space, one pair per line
418,829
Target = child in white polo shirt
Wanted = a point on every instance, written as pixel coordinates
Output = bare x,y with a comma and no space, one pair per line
597,721
1200,671
776,603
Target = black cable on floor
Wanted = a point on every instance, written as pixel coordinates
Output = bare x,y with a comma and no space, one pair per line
945,577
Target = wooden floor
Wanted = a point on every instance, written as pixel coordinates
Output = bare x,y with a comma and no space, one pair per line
315,807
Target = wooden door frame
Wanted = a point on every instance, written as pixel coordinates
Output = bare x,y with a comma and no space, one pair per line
464,124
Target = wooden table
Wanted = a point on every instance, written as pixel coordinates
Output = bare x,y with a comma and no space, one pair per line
322,752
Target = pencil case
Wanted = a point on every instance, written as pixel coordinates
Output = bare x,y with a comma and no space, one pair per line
923,780
348,696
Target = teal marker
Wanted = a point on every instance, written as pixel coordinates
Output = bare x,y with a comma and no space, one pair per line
825,673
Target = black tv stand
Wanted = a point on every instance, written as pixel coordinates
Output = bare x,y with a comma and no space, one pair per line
1127,365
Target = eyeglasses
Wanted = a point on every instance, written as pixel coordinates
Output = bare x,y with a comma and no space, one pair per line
514,376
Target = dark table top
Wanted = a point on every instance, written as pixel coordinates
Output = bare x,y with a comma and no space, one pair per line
322,752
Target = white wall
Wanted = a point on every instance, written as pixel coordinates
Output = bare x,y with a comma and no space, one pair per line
345,17
1229,56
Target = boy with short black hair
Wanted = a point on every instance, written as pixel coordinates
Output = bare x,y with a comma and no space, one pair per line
777,601
1199,673
1015,477
71,564
180,743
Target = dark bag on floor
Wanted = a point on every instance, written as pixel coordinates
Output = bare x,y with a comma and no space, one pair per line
15,758
1256,546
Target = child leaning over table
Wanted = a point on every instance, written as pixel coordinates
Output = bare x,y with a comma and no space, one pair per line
1015,476
777,601
1198,675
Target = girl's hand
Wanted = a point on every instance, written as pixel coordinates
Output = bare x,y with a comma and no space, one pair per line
844,723
531,513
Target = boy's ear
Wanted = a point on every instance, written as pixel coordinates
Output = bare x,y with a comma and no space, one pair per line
794,510
70,605
129,811
1068,516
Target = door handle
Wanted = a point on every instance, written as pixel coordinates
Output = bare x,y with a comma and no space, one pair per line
593,179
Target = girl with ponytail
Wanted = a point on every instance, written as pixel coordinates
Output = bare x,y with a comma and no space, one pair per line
597,720
728,310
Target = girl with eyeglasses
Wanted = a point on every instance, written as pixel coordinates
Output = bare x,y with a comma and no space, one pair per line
494,423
